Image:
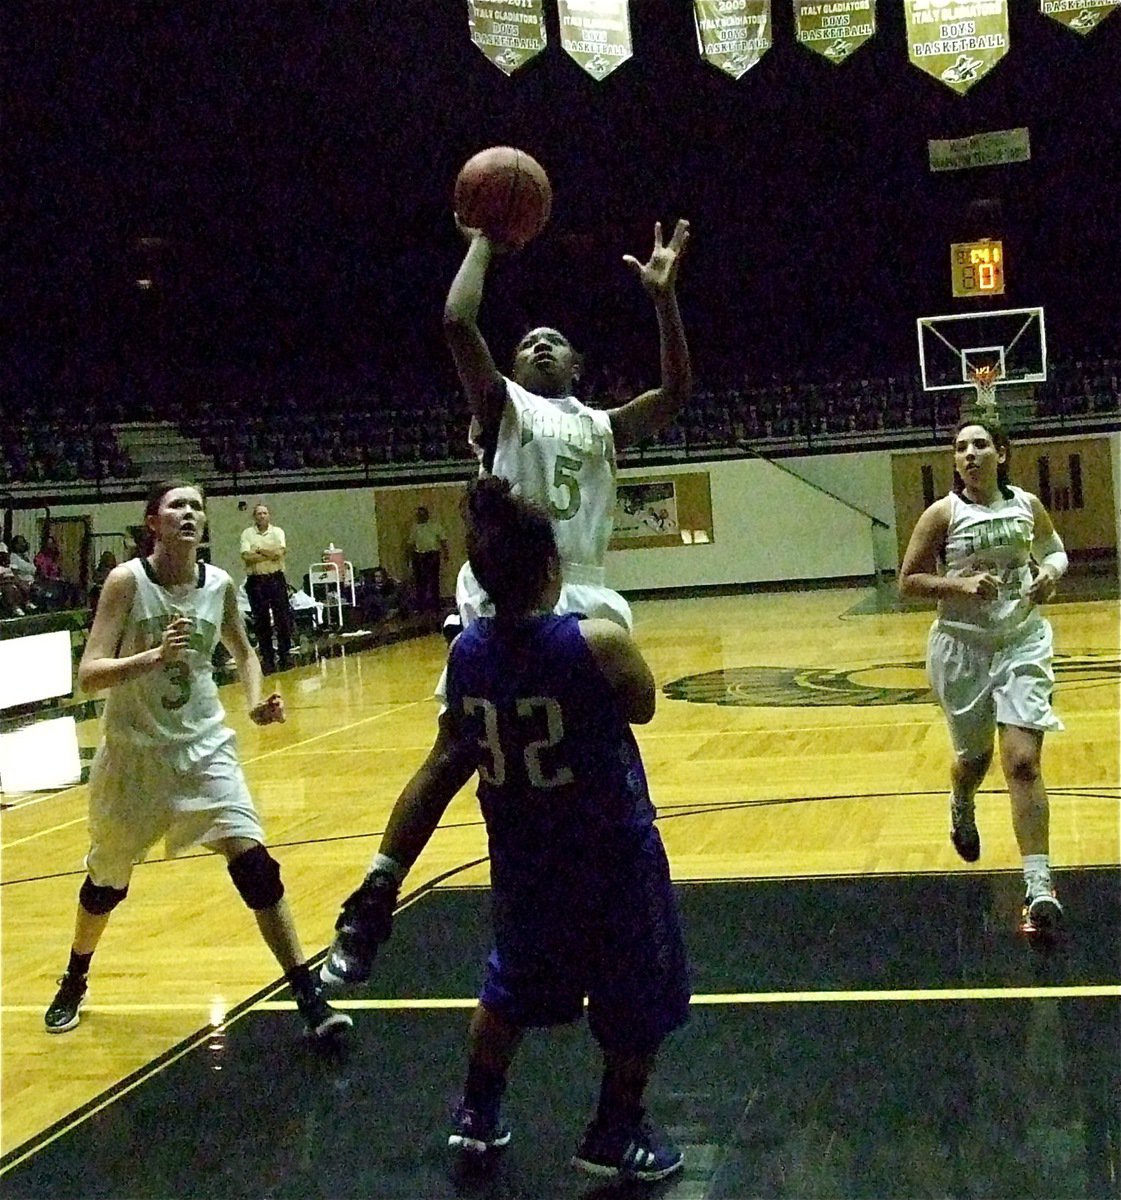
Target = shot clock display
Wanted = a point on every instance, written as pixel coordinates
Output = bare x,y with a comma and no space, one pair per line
977,268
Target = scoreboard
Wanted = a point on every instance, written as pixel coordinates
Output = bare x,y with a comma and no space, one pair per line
977,268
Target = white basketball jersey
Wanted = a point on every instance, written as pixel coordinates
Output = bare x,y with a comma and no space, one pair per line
995,540
561,453
175,706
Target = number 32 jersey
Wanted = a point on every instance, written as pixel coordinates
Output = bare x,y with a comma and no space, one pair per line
559,769
174,707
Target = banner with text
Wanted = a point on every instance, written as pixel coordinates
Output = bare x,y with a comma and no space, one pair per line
835,28
957,41
595,34
733,34
979,150
1079,15
508,32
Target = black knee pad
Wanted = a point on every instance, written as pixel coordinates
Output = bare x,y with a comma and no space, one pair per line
256,875
100,900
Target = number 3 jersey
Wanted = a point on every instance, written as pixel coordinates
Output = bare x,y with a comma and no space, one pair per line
173,708
560,774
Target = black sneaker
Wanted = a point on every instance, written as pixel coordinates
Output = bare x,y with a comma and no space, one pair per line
966,840
627,1152
475,1132
63,1011
963,831
321,1019
365,922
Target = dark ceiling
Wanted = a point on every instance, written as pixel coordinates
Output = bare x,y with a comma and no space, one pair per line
282,171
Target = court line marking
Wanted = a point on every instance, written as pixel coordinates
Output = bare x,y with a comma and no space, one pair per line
1057,992
245,762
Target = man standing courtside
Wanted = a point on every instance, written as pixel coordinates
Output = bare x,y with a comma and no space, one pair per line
262,551
429,547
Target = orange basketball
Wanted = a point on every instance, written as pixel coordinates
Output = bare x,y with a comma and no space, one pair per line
505,193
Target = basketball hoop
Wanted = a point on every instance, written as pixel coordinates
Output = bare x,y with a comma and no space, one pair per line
985,379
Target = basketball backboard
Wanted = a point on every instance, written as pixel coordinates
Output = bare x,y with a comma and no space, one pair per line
1011,341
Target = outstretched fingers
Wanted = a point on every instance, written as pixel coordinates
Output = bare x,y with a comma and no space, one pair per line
680,237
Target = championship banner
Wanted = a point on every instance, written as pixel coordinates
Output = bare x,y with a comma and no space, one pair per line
979,150
834,29
596,34
957,41
733,34
508,32
1079,15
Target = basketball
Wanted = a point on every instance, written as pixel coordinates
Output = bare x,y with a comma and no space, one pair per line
505,193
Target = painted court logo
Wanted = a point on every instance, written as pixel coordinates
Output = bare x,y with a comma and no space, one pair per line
861,687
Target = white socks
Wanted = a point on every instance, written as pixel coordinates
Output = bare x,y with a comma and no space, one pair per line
1037,873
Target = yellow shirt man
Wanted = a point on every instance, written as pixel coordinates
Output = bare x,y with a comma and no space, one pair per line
262,549
262,552
429,547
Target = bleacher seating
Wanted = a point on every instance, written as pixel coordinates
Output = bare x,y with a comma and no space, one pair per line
288,427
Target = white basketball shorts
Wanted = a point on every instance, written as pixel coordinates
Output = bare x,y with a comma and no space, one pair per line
981,685
138,796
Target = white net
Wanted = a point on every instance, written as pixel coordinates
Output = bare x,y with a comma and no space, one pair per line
984,380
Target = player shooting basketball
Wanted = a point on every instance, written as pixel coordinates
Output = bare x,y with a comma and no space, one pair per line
557,452
532,430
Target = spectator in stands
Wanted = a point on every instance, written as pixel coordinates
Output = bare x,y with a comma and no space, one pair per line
15,594
21,564
48,565
381,596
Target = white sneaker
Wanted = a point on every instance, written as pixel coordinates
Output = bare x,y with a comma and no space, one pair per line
1042,911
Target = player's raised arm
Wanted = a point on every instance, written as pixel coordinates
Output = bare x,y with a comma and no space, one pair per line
474,363
651,411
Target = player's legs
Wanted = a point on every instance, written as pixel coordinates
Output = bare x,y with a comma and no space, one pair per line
256,875
477,1123
1021,752
257,591
259,884
127,814
1023,682
280,614
619,1142
533,978
959,674
638,993
967,773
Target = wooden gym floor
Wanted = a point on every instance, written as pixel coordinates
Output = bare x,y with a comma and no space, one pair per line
866,1020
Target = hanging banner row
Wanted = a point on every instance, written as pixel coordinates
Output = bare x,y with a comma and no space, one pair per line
956,41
